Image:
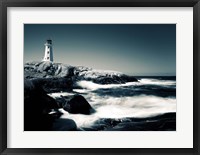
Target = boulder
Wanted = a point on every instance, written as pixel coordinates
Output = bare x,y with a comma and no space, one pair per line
62,124
78,105
127,78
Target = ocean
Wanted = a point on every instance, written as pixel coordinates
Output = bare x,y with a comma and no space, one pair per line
151,96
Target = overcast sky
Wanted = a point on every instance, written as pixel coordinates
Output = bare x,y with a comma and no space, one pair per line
137,49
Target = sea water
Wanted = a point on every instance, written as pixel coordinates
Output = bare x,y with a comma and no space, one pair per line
150,96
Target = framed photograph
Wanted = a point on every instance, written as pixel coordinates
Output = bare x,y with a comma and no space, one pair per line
109,77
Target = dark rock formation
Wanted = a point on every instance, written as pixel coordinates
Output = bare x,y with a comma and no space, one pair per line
64,125
78,105
108,80
114,79
127,78
37,105
41,111
52,85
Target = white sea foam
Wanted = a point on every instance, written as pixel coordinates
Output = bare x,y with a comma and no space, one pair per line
81,120
157,82
137,106
81,90
54,95
93,86
113,107
120,107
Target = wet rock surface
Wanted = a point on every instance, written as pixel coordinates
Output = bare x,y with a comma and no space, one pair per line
74,104
77,104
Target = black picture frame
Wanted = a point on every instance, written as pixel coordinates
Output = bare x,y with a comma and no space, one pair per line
4,4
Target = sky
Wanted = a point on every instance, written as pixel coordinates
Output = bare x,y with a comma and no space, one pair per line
134,49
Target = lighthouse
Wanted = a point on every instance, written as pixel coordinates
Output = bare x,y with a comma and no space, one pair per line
48,55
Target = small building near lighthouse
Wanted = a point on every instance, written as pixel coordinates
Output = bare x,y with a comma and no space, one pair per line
48,54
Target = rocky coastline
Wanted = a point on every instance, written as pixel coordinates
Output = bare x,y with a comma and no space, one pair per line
41,111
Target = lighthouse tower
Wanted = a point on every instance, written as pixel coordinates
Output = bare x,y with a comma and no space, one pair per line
48,55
